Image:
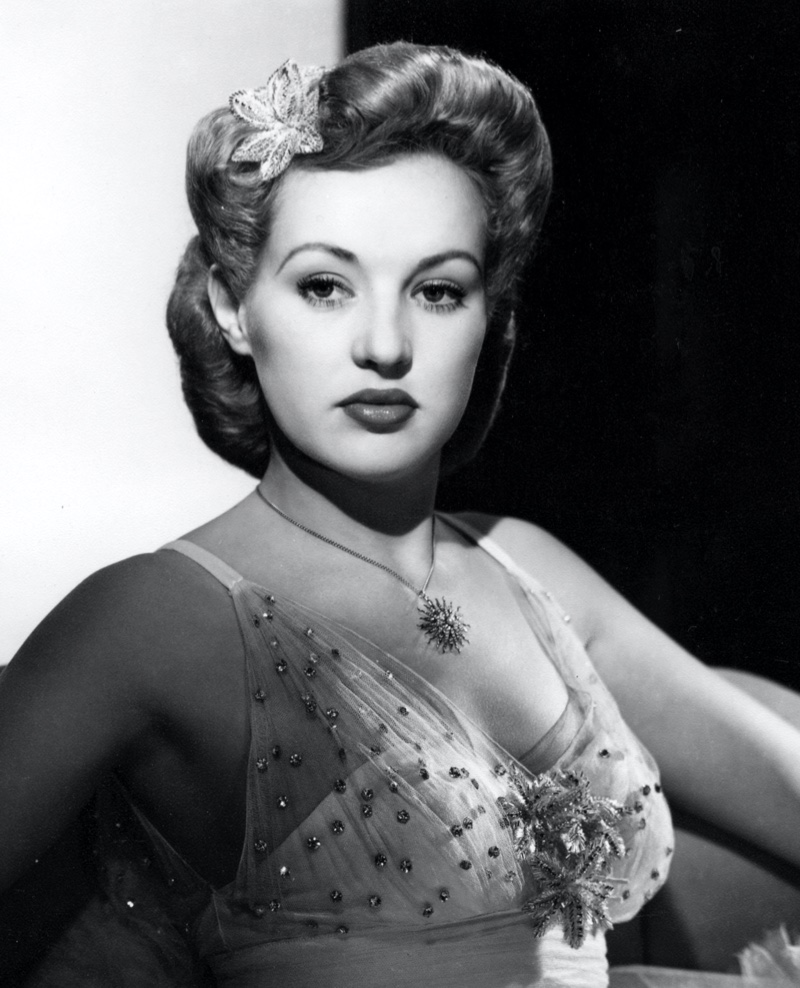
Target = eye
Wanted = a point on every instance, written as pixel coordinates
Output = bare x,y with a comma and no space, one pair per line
440,296
323,290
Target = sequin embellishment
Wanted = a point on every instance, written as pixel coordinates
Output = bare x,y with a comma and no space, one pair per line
568,838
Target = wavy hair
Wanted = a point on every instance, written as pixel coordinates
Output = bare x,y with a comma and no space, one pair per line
379,104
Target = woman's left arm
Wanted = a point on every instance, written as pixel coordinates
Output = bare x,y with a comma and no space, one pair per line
723,756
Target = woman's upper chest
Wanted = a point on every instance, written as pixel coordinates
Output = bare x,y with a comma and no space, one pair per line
504,677
504,680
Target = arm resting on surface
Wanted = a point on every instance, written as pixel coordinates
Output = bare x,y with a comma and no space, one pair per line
724,756
722,893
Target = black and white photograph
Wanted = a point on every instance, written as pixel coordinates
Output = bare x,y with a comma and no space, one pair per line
400,495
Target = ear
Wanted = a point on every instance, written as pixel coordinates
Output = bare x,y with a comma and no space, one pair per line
229,314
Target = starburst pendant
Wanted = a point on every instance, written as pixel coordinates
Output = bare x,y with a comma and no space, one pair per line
442,624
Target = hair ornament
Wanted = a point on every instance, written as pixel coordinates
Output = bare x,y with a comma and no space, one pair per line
285,112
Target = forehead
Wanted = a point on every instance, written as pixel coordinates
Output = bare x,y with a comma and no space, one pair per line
415,206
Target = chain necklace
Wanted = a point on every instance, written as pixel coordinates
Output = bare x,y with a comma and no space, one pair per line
440,621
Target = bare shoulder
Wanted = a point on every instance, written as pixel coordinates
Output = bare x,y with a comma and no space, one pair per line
531,547
578,588
127,617
101,683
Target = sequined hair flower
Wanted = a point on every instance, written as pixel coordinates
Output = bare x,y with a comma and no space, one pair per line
566,837
285,112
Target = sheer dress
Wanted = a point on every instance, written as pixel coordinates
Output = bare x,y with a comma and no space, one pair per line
376,851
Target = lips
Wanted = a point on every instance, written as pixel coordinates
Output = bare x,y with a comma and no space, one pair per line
380,410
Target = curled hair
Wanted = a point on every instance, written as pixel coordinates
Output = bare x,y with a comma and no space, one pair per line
379,104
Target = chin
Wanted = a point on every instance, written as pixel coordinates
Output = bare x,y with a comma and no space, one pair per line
389,473
373,459
384,466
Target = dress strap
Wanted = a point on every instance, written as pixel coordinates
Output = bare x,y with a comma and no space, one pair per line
489,545
226,575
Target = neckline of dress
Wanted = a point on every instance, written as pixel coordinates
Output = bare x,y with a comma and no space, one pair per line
529,586
233,580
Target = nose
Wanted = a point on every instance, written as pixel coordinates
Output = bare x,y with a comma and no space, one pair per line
383,339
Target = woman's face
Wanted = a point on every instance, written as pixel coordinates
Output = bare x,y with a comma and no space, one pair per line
367,313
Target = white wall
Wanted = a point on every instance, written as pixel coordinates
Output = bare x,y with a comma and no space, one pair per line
98,454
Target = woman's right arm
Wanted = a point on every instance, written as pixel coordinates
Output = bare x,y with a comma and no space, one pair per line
74,702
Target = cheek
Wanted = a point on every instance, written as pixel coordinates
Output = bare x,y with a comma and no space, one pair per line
277,353
461,362
294,374
268,320
471,353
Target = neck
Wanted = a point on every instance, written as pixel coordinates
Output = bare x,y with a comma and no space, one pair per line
390,520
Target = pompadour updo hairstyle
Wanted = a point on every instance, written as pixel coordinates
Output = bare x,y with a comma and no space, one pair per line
379,104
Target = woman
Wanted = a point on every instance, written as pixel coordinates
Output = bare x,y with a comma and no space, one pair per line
347,738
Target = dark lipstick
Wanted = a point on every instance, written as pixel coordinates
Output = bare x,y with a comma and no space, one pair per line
381,410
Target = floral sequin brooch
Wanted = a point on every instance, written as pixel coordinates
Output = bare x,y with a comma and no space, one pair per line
567,838
285,113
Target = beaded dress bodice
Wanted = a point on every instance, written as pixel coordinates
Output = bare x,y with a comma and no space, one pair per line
374,835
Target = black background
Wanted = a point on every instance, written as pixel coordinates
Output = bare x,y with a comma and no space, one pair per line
652,415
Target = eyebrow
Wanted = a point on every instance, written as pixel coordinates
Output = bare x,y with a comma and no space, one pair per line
340,252
446,255
351,258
